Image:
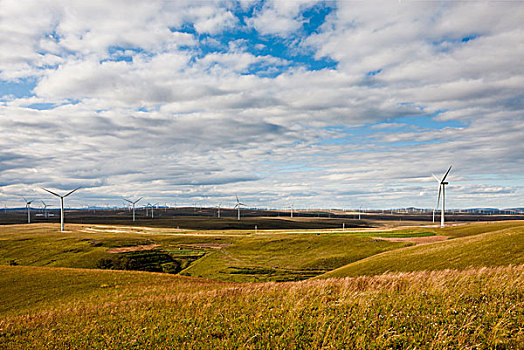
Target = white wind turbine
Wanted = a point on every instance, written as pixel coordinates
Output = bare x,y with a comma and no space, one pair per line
28,207
441,189
237,206
133,204
45,209
61,205
218,210
152,212
292,207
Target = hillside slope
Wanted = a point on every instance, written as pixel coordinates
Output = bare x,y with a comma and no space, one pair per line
498,248
79,309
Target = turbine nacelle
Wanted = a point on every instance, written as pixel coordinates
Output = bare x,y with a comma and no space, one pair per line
61,204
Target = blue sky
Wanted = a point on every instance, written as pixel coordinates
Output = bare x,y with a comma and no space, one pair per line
317,103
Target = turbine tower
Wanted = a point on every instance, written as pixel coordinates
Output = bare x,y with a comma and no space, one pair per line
152,212
28,207
218,211
61,205
45,209
237,206
442,189
133,204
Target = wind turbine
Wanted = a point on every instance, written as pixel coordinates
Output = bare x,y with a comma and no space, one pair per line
133,204
61,205
292,207
441,188
45,209
237,206
152,212
218,212
28,206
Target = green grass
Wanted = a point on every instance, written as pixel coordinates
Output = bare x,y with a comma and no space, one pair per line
394,234
280,256
478,304
477,228
49,308
28,289
43,245
286,257
469,229
242,256
499,248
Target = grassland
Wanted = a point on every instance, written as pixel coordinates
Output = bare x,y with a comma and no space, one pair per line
498,245
78,309
269,255
464,292
232,255
285,257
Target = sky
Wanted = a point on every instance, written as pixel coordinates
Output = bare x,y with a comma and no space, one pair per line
315,104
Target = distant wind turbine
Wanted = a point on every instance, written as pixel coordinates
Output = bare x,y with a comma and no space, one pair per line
61,205
441,189
133,204
45,209
292,207
28,207
218,210
152,212
237,206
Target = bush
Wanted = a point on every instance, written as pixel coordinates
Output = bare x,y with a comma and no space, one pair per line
171,267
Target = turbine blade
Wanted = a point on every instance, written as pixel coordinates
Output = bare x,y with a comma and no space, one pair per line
54,194
71,192
436,178
237,199
447,172
127,200
137,200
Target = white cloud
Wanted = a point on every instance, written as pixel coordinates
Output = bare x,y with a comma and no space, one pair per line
177,120
278,17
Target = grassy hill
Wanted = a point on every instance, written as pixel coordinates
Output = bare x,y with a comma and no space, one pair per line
500,245
226,255
286,257
57,308
462,293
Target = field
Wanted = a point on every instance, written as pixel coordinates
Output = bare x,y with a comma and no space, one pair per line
501,247
384,287
478,308
232,255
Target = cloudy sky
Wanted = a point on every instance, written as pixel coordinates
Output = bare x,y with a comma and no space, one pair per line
316,103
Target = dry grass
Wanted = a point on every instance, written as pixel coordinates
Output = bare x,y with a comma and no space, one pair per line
498,248
475,308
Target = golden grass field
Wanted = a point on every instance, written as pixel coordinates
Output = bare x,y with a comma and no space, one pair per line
464,292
